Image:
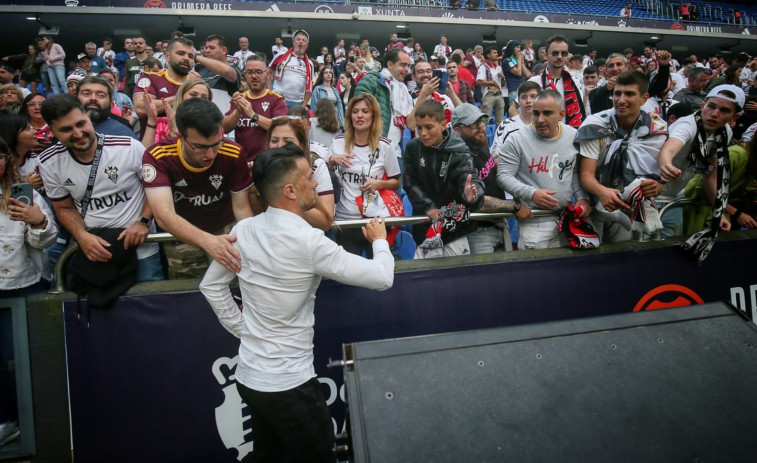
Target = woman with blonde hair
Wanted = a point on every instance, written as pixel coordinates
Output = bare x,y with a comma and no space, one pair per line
366,162
165,127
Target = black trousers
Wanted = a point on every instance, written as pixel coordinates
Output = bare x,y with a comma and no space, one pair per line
294,422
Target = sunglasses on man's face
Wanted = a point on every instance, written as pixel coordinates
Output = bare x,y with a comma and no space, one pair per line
560,53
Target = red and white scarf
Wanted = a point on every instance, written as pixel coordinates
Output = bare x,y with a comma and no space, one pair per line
575,113
279,64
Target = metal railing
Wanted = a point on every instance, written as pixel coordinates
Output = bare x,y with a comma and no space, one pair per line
390,221
60,267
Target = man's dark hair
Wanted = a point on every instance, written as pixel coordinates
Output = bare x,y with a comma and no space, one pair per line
256,57
140,36
599,62
58,106
556,38
442,61
489,50
391,56
274,167
219,38
180,41
108,71
528,86
299,111
96,80
576,58
730,73
430,108
591,70
679,110
176,34
697,72
456,58
632,77
150,63
199,114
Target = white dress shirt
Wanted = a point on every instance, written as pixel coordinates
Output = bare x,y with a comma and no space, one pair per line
283,260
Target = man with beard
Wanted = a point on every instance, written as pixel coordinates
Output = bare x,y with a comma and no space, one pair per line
537,164
284,260
557,77
163,85
134,66
428,86
95,94
251,112
293,72
117,198
470,123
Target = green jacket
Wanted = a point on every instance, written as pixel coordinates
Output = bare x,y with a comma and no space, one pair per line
377,86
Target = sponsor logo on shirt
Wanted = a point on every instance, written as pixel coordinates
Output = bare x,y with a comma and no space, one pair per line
69,182
163,89
181,183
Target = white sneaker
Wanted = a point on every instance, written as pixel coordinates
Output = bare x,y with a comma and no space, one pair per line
9,432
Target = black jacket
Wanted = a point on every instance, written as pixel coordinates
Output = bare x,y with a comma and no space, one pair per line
435,176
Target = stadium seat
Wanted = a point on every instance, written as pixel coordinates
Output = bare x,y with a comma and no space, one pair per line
404,246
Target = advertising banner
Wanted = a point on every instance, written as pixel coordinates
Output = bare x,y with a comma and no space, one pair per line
152,378
399,11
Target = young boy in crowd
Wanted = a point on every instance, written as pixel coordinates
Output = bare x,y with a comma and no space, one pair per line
442,183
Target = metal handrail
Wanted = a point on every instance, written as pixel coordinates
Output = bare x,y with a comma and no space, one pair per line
392,221
354,223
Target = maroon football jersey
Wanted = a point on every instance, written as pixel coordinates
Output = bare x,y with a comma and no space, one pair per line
201,196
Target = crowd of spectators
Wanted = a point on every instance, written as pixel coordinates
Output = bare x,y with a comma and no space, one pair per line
173,128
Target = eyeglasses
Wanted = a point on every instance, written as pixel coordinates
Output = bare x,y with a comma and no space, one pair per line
33,105
202,148
248,72
476,125
564,54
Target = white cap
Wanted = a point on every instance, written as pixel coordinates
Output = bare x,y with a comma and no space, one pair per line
738,99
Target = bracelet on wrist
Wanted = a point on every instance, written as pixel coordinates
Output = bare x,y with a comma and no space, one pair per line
42,224
736,215
151,126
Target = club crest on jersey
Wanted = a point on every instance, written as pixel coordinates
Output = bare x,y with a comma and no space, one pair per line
216,180
265,106
112,173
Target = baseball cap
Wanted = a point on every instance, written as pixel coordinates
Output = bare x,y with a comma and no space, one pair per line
466,114
433,58
7,67
301,31
738,93
82,56
74,77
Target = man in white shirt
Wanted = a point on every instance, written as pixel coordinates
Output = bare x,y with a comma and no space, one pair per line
278,48
243,53
283,261
293,72
443,49
490,78
117,198
557,77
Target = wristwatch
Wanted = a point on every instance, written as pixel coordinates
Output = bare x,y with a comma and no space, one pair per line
516,207
255,117
144,221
